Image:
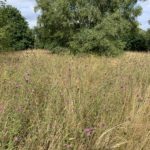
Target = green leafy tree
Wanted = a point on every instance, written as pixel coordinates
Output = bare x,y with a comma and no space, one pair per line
2,2
103,38
148,39
14,31
137,41
87,25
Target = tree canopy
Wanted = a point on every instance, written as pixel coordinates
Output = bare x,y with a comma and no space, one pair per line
14,31
102,26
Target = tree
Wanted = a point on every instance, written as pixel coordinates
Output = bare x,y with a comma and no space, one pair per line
2,2
87,25
14,31
148,39
137,41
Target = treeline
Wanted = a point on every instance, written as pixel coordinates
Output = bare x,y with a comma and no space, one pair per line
101,26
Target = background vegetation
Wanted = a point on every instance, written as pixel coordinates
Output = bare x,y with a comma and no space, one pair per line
87,26
14,31
101,26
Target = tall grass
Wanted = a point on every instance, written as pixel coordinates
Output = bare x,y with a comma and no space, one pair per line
52,102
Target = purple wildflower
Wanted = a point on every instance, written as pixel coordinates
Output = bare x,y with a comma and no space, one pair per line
88,131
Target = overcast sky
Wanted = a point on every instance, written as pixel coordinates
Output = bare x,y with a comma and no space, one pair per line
27,9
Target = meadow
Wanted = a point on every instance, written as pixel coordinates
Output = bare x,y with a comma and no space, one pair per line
66,102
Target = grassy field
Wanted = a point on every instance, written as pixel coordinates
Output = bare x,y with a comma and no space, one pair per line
64,102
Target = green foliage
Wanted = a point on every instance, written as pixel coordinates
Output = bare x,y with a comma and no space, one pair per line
14,31
137,41
86,25
148,39
103,38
